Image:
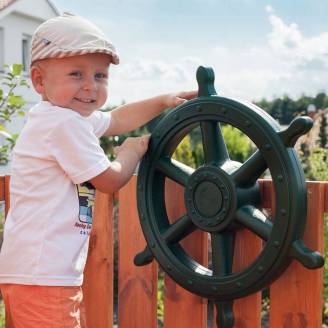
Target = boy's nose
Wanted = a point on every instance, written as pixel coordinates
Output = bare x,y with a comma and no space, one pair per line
89,84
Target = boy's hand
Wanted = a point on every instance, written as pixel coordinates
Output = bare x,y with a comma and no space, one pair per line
137,145
176,99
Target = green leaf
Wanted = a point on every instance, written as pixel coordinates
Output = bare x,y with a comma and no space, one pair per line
21,113
24,83
15,101
16,69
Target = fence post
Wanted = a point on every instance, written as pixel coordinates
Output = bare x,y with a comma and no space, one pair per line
137,291
296,297
98,273
182,308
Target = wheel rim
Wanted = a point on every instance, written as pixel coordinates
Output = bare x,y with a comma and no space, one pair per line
228,185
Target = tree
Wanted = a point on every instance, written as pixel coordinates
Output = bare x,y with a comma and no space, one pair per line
10,106
238,144
319,100
318,164
323,131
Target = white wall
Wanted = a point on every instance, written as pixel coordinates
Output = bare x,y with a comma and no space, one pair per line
16,21
20,19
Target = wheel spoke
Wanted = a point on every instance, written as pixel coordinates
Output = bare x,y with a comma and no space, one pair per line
222,252
175,170
250,171
215,149
254,220
178,230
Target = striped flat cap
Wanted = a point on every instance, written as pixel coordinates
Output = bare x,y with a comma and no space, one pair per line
69,35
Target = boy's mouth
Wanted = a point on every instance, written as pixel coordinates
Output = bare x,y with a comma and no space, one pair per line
85,100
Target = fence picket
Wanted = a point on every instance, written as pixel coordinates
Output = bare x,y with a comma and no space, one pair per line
296,297
182,308
98,273
137,291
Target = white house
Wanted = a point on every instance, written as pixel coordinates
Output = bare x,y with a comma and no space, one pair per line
18,20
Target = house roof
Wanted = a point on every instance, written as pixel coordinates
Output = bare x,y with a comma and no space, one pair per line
5,3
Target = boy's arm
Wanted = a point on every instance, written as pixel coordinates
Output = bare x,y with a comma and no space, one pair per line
131,116
123,167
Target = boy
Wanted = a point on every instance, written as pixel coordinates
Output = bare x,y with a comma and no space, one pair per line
57,163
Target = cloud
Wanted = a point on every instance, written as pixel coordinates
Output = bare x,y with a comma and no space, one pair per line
288,62
147,69
287,41
269,9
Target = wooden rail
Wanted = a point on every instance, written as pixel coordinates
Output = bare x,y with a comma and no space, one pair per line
295,298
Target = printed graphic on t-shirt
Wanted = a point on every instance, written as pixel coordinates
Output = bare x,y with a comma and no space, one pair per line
86,194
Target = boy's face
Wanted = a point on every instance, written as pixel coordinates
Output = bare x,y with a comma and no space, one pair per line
78,82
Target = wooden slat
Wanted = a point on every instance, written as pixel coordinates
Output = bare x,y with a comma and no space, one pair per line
98,274
182,308
2,188
266,192
326,196
296,297
137,291
247,310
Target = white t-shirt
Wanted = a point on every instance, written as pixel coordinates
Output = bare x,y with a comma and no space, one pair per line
47,229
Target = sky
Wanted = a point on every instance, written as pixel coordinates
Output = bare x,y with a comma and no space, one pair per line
258,49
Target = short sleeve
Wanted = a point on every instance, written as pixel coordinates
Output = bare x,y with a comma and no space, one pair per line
100,122
75,147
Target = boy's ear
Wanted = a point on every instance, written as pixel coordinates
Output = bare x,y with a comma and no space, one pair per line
37,79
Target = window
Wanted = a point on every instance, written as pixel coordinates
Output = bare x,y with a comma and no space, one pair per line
26,44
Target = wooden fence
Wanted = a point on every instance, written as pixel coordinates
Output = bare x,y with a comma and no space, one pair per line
295,298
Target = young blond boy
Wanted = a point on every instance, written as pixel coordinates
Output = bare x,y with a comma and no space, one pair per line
57,164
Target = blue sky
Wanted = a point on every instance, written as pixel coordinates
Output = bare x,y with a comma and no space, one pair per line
257,48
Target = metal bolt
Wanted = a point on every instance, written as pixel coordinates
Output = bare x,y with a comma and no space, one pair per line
283,211
190,282
248,123
276,243
260,268
175,117
280,177
239,284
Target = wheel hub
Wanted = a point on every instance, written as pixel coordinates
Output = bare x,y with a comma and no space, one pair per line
210,198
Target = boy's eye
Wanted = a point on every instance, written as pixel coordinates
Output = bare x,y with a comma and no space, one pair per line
75,74
100,76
